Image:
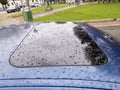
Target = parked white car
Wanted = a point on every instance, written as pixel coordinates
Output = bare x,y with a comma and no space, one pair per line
36,4
12,8
32,5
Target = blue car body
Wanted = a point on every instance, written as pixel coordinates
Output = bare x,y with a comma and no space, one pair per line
105,76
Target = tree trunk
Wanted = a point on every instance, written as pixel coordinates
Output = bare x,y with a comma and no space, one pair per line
14,2
3,7
27,4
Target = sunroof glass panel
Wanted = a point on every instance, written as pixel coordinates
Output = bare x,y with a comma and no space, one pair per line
56,44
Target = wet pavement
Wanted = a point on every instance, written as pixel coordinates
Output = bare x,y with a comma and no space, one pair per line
113,31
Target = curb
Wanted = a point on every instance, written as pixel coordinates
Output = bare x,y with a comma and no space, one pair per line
101,20
105,25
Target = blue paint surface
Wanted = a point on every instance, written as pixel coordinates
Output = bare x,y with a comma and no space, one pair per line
104,76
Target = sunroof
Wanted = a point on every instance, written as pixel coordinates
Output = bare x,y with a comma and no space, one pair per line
57,44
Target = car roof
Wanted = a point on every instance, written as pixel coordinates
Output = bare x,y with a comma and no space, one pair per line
108,72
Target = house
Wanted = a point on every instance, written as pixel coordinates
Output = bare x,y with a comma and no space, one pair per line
36,1
19,2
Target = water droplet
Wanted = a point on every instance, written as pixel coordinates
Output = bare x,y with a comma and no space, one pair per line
38,63
42,58
3,75
32,64
75,62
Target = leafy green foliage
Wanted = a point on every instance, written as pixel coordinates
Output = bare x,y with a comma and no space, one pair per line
3,2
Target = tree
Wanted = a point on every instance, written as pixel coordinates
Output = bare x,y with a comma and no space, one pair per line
14,1
48,5
28,4
3,2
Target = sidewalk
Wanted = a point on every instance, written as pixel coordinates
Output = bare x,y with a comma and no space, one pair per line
52,11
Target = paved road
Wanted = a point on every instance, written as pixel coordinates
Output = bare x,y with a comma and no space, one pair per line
5,20
112,28
114,31
3,12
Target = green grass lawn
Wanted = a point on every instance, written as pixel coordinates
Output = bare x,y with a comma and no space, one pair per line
85,12
41,9
54,6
